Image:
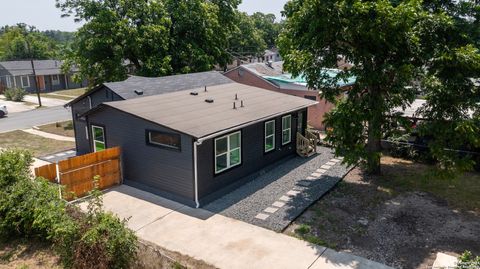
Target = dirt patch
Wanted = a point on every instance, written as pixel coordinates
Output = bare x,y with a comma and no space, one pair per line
394,223
59,128
30,254
151,256
38,145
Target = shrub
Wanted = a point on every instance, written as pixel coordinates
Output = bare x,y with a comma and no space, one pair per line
15,94
33,208
468,261
104,236
14,166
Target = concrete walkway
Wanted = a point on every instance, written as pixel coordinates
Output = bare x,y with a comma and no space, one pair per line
218,240
49,135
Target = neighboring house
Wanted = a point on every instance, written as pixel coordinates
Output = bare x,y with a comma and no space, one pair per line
191,144
271,55
133,87
270,76
19,74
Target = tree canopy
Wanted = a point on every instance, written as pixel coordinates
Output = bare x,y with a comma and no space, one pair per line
23,42
397,49
162,37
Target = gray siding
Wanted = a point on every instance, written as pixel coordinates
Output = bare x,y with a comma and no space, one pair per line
253,158
82,106
163,170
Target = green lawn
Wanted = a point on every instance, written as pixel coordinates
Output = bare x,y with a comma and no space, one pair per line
39,146
72,92
64,94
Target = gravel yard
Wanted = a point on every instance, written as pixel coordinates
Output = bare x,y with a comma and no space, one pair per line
275,197
401,219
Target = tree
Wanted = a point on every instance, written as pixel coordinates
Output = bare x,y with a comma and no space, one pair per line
266,24
390,43
246,39
159,37
13,40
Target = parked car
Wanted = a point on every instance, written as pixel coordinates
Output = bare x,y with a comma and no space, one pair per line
3,110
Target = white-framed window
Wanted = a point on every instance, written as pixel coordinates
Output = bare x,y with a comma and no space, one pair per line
228,151
269,135
55,80
8,79
98,135
25,81
286,129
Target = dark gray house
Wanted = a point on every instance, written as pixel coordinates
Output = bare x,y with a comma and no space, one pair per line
131,88
194,145
19,74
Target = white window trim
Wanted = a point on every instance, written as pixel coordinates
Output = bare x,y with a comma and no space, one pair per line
287,129
55,82
93,137
8,79
271,135
228,151
28,81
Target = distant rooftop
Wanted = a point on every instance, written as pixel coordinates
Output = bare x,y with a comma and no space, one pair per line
274,73
158,85
22,68
192,115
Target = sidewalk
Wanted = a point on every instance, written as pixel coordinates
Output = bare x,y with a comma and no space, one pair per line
48,102
49,135
220,241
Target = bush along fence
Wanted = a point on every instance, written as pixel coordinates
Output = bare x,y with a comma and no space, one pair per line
76,173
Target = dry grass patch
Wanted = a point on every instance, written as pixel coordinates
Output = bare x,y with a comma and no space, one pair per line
39,146
60,128
28,254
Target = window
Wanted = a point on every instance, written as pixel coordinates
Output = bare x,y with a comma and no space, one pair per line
165,140
98,136
25,81
286,129
269,135
228,152
9,81
300,122
55,80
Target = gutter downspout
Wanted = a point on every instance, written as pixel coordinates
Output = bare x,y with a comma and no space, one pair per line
195,171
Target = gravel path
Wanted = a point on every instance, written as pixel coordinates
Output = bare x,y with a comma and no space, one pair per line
276,197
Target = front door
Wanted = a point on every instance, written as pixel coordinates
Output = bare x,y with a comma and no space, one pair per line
41,82
300,126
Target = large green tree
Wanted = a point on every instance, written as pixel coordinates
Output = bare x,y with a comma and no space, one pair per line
391,44
158,37
269,28
22,42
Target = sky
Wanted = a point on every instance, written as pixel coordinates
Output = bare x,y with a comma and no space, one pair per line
45,16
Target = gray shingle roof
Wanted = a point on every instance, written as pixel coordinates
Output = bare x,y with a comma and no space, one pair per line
42,67
153,86
192,115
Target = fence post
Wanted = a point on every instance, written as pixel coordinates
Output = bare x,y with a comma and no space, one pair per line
58,180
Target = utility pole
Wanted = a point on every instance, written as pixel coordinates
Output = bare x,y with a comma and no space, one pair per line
34,74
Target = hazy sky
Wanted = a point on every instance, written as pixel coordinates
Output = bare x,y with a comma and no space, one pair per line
44,15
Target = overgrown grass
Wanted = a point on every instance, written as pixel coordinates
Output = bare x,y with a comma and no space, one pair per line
459,190
60,128
72,92
39,146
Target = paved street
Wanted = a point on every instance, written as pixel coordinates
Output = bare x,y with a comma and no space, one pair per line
27,119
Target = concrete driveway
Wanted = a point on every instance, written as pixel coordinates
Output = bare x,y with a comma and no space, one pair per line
218,240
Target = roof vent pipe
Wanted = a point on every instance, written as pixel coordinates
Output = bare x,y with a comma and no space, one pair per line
234,106
241,103
236,97
205,88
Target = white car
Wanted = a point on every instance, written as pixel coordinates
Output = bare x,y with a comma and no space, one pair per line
3,110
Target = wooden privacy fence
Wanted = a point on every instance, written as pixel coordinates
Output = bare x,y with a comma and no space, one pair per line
76,174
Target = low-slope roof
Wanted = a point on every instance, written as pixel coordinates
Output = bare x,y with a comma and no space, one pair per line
192,115
22,68
160,85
